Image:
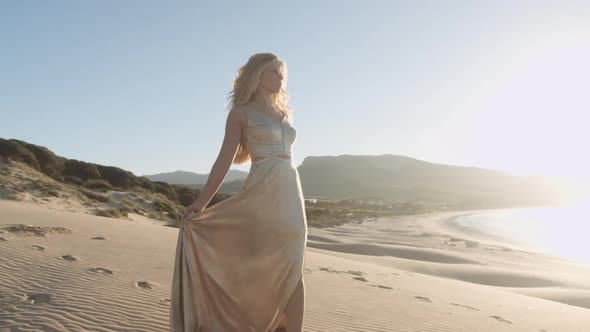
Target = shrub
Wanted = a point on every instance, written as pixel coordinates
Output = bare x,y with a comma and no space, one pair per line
146,183
165,189
96,196
80,169
73,180
49,163
125,211
164,206
10,149
117,177
175,216
128,203
111,213
186,199
140,211
52,193
98,184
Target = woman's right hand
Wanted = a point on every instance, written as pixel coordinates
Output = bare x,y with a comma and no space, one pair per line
195,207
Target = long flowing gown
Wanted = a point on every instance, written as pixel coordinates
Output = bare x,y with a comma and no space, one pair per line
239,261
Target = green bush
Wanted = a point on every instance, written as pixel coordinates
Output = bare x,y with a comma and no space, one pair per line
186,199
98,184
138,210
49,163
164,206
128,203
117,177
111,213
175,216
125,211
83,170
73,180
53,193
146,183
11,149
95,196
165,189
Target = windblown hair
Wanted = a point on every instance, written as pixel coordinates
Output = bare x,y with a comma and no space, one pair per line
246,84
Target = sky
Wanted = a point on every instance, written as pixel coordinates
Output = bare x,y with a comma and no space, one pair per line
144,85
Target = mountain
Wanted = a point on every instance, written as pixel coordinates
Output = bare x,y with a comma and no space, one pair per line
190,178
395,177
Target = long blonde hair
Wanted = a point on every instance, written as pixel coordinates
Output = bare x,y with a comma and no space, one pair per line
246,84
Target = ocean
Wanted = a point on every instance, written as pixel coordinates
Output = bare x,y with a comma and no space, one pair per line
561,230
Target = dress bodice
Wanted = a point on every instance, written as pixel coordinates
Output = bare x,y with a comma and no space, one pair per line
266,136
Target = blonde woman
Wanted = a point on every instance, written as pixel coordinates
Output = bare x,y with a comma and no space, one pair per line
239,263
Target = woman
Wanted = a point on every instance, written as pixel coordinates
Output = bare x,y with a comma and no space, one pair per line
239,263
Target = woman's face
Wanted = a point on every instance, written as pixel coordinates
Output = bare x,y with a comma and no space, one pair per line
271,78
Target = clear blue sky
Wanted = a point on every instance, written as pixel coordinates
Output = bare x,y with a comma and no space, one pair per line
143,85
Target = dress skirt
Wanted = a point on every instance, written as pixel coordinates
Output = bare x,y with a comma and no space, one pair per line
238,262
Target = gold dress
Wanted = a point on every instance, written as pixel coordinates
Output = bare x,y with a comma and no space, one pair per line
238,262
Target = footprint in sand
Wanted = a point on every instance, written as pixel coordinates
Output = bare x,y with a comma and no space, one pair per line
100,270
465,306
23,229
165,302
143,284
39,298
328,269
69,258
32,298
356,273
381,286
501,319
36,247
12,303
99,238
423,298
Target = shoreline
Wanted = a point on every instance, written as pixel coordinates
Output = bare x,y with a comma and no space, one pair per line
453,224
435,244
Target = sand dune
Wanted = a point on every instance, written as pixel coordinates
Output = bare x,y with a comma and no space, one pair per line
65,271
420,254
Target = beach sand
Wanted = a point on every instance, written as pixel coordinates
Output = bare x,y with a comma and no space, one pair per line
71,271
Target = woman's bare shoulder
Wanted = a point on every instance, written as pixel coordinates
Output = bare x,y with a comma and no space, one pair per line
237,114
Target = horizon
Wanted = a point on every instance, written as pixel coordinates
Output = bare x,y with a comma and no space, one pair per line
458,84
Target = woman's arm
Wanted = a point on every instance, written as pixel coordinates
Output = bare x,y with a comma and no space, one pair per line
233,132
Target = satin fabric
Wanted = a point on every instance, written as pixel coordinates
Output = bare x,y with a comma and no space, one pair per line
238,262
266,137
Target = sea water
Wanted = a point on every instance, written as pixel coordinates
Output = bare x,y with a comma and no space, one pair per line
561,230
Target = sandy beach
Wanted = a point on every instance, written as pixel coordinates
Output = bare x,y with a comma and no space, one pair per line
70,271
